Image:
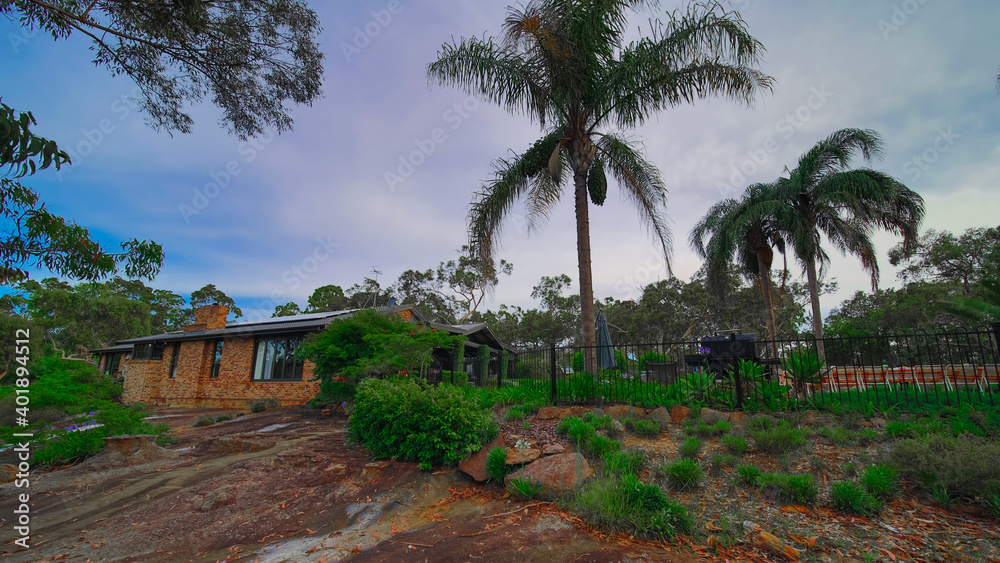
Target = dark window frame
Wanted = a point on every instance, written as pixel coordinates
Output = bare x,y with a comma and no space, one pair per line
174,360
277,350
148,352
216,359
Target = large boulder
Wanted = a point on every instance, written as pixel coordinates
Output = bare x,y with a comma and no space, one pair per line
622,411
475,465
679,414
558,474
660,416
8,473
710,416
518,456
550,413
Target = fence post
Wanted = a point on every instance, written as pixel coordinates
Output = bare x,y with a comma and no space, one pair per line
552,372
996,333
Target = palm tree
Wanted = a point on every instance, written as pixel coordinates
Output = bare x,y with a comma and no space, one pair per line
746,232
563,63
823,197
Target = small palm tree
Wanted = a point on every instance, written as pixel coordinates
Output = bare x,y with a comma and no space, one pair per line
563,63
985,308
745,232
824,197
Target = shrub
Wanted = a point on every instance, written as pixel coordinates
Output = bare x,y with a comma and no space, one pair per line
682,474
737,445
624,463
575,429
865,436
839,436
64,447
204,421
705,430
261,405
496,464
641,427
525,487
241,413
601,446
407,419
964,465
849,497
790,488
223,417
777,438
718,461
880,481
898,429
690,447
651,356
333,390
456,378
628,505
748,475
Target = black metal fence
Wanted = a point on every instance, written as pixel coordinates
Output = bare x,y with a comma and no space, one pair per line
911,369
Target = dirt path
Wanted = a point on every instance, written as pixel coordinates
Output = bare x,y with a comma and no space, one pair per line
284,486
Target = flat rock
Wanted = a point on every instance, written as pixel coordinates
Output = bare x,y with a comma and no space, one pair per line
679,414
711,416
8,473
517,456
622,411
558,474
553,449
738,418
659,415
475,465
549,413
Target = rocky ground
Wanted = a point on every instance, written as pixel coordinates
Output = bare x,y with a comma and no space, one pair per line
284,486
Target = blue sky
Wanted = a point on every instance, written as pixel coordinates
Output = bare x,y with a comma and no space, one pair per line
270,219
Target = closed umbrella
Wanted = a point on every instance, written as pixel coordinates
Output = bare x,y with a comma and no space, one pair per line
605,352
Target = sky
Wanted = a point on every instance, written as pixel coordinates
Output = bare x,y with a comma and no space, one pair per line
379,173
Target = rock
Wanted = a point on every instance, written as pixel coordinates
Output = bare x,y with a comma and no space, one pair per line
738,418
8,473
516,456
776,545
880,422
475,465
373,470
548,413
219,497
622,411
558,474
659,415
127,450
617,428
710,416
679,414
553,449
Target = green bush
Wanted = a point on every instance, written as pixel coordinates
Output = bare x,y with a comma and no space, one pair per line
718,461
776,438
575,429
628,505
849,497
496,464
839,436
624,463
682,474
642,427
963,465
748,475
800,489
456,378
223,417
603,422
880,481
737,445
332,391
898,429
404,418
651,356
203,421
261,405
600,446
116,420
690,447
705,430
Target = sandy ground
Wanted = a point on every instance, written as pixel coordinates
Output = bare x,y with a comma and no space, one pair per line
284,486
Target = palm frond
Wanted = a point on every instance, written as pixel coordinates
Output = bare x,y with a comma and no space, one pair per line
642,186
513,179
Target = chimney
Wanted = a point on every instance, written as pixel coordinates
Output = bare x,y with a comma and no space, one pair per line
209,317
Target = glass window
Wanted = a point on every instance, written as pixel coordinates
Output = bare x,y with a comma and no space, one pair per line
151,351
173,360
274,359
216,358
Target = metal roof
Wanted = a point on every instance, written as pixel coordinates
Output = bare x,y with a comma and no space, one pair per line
111,349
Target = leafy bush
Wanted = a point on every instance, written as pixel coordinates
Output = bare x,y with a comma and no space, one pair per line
880,481
525,487
705,430
849,497
261,405
407,419
116,420
204,421
690,447
601,446
624,463
682,474
642,427
223,417
575,429
748,474
333,390
456,378
790,488
737,445
839,436
963,465
628,505
776,437
651,356
718,461
898,429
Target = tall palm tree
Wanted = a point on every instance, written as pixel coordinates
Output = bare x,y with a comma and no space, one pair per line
745,232
824,197
563,63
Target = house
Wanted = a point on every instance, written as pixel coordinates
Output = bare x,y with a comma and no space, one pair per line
213,363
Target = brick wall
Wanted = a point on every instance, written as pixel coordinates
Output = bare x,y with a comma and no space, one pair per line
193,386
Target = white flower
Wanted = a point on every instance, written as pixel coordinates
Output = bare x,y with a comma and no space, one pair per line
522,444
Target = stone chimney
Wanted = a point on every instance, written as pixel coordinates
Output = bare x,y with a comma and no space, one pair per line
209,317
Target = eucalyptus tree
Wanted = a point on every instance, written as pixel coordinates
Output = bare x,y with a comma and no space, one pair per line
824,197
745,233
564,63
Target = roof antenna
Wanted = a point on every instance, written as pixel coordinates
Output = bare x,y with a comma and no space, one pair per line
375,287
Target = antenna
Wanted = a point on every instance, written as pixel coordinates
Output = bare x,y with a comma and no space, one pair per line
374,282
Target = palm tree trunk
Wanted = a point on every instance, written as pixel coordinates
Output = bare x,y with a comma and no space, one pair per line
766,289
816,313
586,278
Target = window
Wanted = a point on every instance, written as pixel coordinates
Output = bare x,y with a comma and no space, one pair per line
173,360
216,359
112,362
151,351
274,359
